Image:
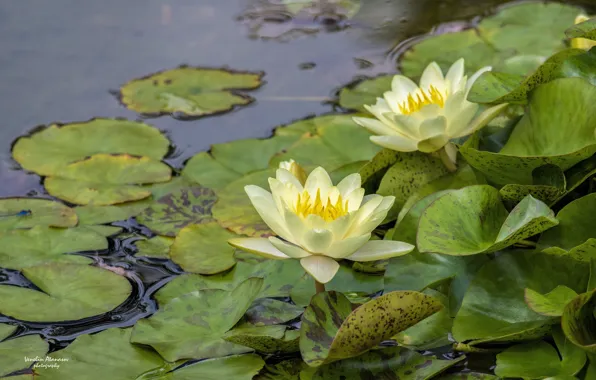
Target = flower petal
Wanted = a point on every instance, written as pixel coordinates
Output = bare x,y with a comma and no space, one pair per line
407,125
290,250
318,180
262,201
349,184
381,249
403,86
374,218
432,75
340,225
285,176
432,144
380,108
258,246
346,247
321,268
475,76
455,75
317,240
482,119
451,151
433,127
354,199
374,126
397,143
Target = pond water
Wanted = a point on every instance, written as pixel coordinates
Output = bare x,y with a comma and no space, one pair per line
62,60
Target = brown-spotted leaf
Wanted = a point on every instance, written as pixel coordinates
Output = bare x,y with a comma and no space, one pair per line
578,321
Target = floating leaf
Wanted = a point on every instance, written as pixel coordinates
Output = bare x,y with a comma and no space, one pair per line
373,172
48,151
238,367
25,248
473,220
364,92
174,211
552,303
573,237
107,355
90,215
190,91
386,363
266,339
156,247
267,311
331,331
191,326
586,29
286,370
203,249
538,360
13,351
31,212
68,292
501,282
107,179
207,171
578,321
468,376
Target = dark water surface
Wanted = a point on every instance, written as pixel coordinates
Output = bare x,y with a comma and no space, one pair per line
60,59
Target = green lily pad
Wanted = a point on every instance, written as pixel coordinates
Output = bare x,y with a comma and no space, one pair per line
30,212
189,91
267,311
538,139
92,215
586,29
364,92
13,351
106,179
234,210
578,321
473,220
373,172
538,360
107,355
48,151
468,376
552,303
68,292
205,170
25,248
286,370
331,331
157,247
237,367
386,363
176,210
501,282
203,249
191,326
266,339
573,237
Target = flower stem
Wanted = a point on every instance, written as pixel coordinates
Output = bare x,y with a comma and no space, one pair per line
319,287
450,165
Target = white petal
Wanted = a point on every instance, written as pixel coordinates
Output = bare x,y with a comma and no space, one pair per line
475,76
433,127
403,86
432,144
295,226
366,210
380,108
393,100
432,75
343,248
451,151
314,221
354,199
461,120
290,250
428,112
407,125
321,268
263,202
317,240
258,246
340,225
375,218
397,143
381,249
455,74
454,104
285,176
374,126
349,184
482,119
318,180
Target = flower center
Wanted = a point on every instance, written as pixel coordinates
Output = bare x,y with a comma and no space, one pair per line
423,98
305,206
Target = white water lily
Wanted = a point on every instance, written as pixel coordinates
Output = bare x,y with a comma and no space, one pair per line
582,43
319,223
427,116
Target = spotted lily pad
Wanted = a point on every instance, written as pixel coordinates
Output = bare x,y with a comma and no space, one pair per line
31,212
285,370
13,351
267,311
189,91
107,355
25,248
174,211
156,247
501,282
48,151
203,249
474,220
191,326
386,363
331,331
573,237
578,321
266,339
67,292
538,360
106,179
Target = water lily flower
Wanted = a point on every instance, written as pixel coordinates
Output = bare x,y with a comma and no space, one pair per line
582,43
427,116
319,223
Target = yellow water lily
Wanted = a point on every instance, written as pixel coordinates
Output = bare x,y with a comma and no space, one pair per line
582,43
319,223
426,116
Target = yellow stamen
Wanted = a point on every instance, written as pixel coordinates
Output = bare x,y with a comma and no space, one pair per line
328,211
424,98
